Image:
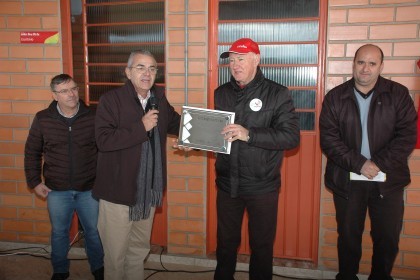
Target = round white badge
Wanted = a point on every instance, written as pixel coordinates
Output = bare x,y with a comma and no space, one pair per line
255,104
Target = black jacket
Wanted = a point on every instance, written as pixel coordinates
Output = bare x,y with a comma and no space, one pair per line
254,167
392,133
68,151
120,134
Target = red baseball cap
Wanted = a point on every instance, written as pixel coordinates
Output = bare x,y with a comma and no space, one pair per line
242,46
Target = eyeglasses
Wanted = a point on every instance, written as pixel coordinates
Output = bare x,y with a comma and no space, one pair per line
68,90
142,69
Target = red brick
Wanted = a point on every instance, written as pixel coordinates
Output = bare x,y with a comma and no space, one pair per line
175,67
391,1
26,51
197,6
5,107
190,251
395,31
197,36
348,33
44,66
12,66
20,134
176,6
11,8
413,196
42,227
186,225
197,67
177,211
399,66
13,94
412,212
197,20
14,121
8,212
12,148
19,226
33,214
196,184
178,238
8,186
7,161
410,245
17,200
340,67
9,37
34,238
40,94
196,240
176,36
407,49
412,260
176,21
352,48
8,236
185,197
53,52
175,183
4,51
24,22
371,15
180,170
42,8
411,228
28,80
412,83
50,22
196,212
333,3
28,107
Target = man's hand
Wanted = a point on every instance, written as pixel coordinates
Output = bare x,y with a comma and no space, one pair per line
150,119
42,190
369,169
234,132
181,148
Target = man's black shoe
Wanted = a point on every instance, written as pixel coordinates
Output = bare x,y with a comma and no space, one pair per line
99,274
60,276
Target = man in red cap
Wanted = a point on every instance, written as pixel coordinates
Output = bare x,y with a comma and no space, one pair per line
248,178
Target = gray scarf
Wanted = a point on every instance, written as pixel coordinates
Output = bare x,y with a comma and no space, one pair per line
149,180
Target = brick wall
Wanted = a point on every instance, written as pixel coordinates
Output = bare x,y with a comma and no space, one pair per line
187,172
394,26
25,72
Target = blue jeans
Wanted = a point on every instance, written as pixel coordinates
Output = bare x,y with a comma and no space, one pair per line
61,206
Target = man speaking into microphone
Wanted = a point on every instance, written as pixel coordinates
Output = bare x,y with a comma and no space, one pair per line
131,127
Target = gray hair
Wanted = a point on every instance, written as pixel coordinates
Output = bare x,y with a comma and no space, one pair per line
136,52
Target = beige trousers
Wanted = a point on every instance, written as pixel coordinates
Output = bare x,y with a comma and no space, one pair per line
126,243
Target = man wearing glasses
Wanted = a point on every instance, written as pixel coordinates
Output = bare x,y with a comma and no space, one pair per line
131,126
62,137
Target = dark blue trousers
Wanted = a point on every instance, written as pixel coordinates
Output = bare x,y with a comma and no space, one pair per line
386,215
262,217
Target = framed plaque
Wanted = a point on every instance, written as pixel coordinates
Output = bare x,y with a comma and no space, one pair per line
200,129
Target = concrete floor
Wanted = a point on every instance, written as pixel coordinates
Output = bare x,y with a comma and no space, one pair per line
36,266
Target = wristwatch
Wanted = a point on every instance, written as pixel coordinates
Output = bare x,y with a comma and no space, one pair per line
247,138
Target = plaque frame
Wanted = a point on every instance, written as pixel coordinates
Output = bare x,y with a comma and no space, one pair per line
200,129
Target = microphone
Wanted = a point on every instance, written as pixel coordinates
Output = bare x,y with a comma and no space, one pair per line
153,105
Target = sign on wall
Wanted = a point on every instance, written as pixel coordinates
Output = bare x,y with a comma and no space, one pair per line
39,37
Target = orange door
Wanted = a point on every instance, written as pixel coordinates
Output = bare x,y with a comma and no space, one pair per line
96,62
292,55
